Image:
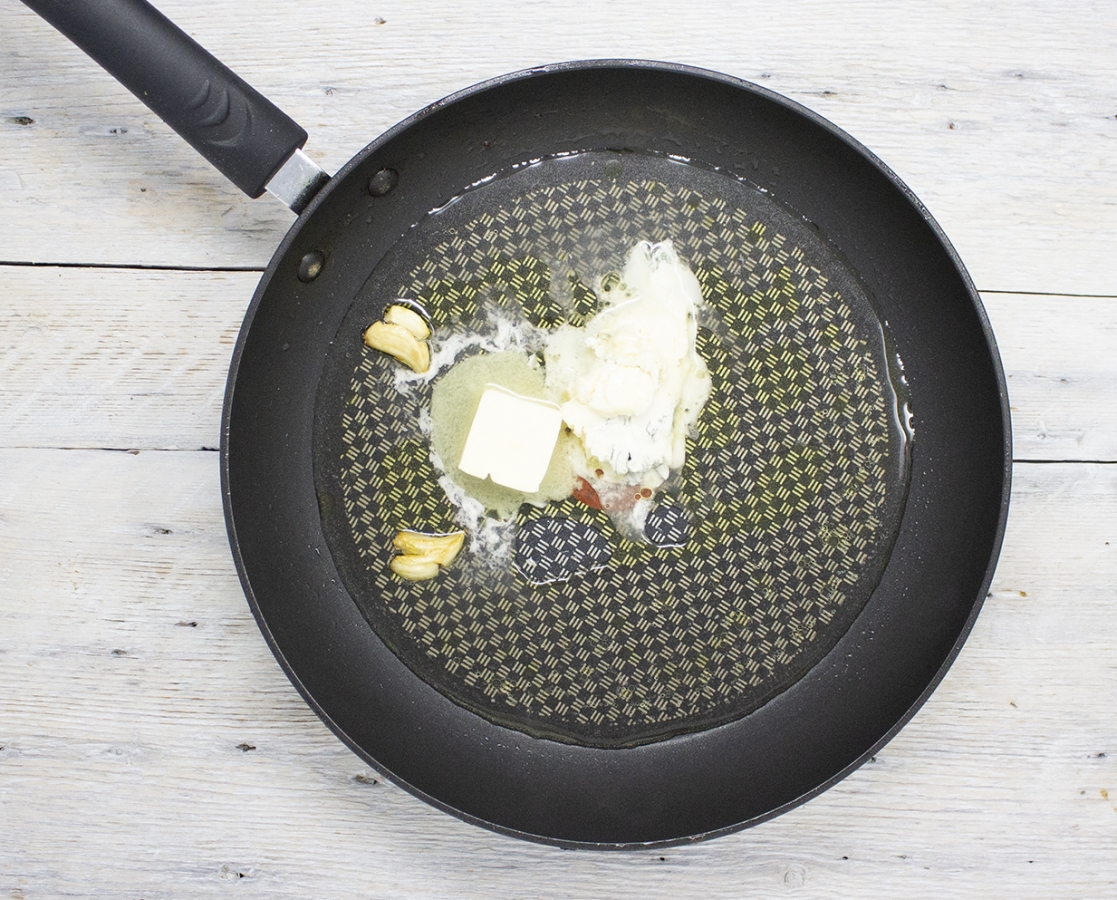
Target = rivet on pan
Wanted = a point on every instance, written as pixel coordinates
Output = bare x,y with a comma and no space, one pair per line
310,266
382,182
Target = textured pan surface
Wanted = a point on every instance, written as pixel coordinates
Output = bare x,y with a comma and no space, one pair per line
791,494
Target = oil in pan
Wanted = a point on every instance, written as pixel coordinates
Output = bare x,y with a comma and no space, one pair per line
775,535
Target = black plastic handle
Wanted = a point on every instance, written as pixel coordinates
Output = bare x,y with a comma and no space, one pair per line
240,131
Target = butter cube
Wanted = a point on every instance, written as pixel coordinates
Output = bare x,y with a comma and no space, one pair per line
511,439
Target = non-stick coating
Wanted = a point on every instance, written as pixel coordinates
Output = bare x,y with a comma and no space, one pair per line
696,785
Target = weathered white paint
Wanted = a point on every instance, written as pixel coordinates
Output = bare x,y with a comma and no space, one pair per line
116,357
150,746
138,359
153,748
999,115
1059,356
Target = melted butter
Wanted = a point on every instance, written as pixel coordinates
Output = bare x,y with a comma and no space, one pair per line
454,402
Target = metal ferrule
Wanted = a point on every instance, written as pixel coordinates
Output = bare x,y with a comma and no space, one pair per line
297,181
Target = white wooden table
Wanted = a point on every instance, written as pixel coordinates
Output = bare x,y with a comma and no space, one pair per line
151,747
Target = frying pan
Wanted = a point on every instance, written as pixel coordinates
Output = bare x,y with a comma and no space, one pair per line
846,491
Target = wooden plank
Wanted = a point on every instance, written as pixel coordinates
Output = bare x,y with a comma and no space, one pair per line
1058,355
153,748
150,746
1000,116
138,359
117,357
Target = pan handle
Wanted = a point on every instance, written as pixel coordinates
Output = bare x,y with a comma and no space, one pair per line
242,133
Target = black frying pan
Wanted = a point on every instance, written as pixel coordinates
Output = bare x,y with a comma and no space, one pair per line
833,562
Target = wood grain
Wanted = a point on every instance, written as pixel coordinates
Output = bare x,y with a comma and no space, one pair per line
150,745
1058,353
1000,116
117,358
153,748
125,359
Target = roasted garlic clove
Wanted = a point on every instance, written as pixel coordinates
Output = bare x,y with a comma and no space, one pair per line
423,555
439,548
397,341
407,318
414,568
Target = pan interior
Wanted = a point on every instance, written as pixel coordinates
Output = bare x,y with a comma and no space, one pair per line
791,496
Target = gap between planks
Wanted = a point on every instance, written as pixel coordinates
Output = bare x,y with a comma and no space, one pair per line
156,267
125,267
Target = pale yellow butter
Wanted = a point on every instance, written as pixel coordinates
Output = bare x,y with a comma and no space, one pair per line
511,439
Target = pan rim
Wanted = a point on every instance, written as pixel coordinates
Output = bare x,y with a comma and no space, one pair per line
342,176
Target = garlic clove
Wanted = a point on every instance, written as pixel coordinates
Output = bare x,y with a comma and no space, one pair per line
398,342
414,568
441,549
407,318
